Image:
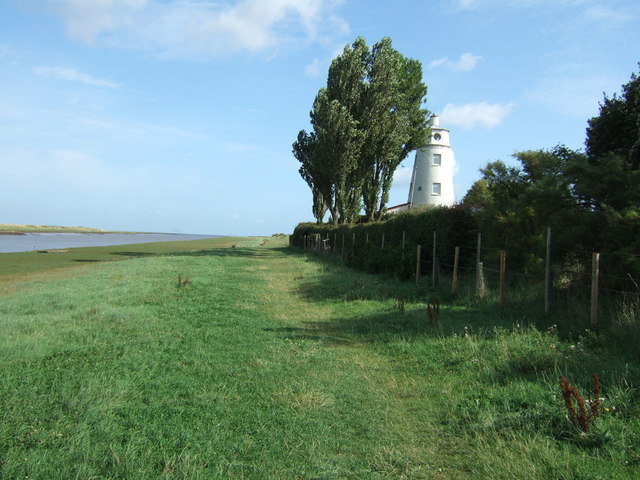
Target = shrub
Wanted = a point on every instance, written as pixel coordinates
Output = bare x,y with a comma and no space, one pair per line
454,226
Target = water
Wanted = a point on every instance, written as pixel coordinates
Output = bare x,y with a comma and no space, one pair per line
53,241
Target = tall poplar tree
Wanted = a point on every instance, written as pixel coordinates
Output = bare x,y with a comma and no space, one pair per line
304,151
365,122
337,147
393,120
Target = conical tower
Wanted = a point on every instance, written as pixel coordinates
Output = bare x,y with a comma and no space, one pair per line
432,178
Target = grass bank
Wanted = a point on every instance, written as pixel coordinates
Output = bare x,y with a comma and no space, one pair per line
24,265
273,365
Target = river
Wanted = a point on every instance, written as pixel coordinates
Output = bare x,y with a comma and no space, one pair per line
53,241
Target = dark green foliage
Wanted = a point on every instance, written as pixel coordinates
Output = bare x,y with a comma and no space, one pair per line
365,122
591,200
616,130
453,226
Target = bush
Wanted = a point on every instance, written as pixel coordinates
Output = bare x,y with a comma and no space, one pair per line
363,243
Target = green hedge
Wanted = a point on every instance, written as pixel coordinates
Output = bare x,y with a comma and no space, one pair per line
454,226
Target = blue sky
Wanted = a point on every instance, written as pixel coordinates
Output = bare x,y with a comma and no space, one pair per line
179,115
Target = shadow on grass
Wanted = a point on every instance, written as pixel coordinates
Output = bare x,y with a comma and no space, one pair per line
135,254
370,328
251,252
524,303
228,252
466,333
311,333
243,252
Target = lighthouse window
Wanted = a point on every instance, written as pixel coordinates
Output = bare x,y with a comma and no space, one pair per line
436,189
437,159
437,136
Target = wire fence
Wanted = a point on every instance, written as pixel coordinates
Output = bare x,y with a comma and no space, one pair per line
578,271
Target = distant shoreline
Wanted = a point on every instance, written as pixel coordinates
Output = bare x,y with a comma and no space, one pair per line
16,229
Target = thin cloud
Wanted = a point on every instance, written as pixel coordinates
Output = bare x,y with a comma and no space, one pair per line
484,4
590,10
6,52
574,93
314,69
199,29
476,115
609,18
73,75
465,63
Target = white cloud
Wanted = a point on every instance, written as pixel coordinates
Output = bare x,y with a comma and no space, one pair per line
475,115
465,63
314,69
198,28
73,75
607,18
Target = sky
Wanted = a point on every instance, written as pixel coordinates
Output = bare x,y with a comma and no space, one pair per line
179,115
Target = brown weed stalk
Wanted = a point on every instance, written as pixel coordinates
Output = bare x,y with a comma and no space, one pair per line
584,417
401,303
433,312
595,404
183,283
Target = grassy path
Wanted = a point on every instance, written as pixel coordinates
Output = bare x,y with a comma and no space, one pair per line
269,365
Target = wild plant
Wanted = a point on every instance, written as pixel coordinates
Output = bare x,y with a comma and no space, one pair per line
183,283
433,312
584,417
401,303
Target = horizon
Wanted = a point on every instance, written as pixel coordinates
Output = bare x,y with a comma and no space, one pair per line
179,116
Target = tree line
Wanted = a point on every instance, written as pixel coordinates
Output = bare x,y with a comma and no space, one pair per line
590,198
370,115
364,123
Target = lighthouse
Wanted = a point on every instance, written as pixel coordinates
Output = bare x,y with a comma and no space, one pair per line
432,178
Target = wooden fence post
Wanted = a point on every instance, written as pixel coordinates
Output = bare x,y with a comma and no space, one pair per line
454,281
434,267
503,268
382,246
548,279
595,274
403,241
478,265
480,287
367,240
335,243
343,247
418,252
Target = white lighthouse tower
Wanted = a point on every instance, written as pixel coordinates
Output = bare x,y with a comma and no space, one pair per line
432,178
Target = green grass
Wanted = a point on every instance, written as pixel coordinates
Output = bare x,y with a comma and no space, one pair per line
274,365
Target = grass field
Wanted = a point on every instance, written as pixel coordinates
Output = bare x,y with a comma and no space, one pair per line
273,365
